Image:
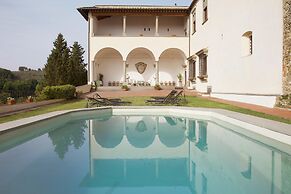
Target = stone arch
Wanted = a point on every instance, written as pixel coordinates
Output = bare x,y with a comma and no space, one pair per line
140,131
107,132
145,56
171,132
108,62
144,49
172,62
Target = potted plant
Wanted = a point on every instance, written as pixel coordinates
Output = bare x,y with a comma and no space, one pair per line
29,99
101,79
157,87
125,87
180,77
11,101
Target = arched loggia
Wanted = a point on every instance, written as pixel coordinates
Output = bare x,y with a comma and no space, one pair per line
172,62
109,63
141,66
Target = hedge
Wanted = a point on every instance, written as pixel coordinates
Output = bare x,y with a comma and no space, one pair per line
59,92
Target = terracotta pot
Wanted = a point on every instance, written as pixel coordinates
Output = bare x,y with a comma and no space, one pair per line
11,102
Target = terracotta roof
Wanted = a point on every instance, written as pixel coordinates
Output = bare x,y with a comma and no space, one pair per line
140,7
135,9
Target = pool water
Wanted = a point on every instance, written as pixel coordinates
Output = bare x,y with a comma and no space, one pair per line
139,154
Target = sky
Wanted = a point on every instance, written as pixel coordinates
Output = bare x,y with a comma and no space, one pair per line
29,27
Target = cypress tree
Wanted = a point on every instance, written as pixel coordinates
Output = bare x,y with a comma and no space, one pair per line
57,63
77,73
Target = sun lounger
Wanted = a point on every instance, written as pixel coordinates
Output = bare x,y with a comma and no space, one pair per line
96,95
172,93
105,102
172,100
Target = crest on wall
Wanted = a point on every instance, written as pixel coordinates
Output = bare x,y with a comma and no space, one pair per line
141,67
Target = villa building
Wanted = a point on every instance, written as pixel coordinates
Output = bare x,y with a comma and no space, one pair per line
232,49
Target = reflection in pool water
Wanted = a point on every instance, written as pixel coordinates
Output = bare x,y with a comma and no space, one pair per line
141,154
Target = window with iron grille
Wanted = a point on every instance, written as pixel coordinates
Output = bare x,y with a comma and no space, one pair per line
203,65
192,70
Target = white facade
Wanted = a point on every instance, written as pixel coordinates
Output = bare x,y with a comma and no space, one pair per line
165,40
231,73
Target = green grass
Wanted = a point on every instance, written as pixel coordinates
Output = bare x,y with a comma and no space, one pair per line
204,103
140,101
75,104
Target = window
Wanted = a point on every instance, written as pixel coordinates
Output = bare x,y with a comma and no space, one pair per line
192,70
202,64
194,21
247,43
205,11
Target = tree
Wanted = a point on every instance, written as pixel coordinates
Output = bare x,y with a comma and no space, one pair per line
57,63
5,75
77,73
22,68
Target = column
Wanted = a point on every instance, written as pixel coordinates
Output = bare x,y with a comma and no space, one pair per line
188,26
157,26
124,71
157,72
92,22
91,71
91,162
124,26
124,168
186,69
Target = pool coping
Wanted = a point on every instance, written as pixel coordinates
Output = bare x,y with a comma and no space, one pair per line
268,128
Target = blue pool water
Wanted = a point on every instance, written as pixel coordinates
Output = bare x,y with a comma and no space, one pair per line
139,154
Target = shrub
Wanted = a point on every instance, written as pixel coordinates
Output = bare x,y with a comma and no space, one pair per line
284,101
59,92
3,97
20,88
125,87
39,87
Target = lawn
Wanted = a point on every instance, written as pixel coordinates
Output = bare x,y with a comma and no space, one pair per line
140,101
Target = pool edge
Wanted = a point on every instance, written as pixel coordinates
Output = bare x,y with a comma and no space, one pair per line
275,130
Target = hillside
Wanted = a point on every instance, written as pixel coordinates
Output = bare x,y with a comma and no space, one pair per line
28,75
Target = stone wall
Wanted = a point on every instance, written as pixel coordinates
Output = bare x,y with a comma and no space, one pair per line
287,47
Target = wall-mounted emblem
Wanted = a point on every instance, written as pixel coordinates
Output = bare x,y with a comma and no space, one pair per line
141,126
141,67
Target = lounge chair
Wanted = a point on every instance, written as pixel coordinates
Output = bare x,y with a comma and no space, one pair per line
105,102
176,99
172,93
96,95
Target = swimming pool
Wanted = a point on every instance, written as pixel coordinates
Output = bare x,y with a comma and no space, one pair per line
141,151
